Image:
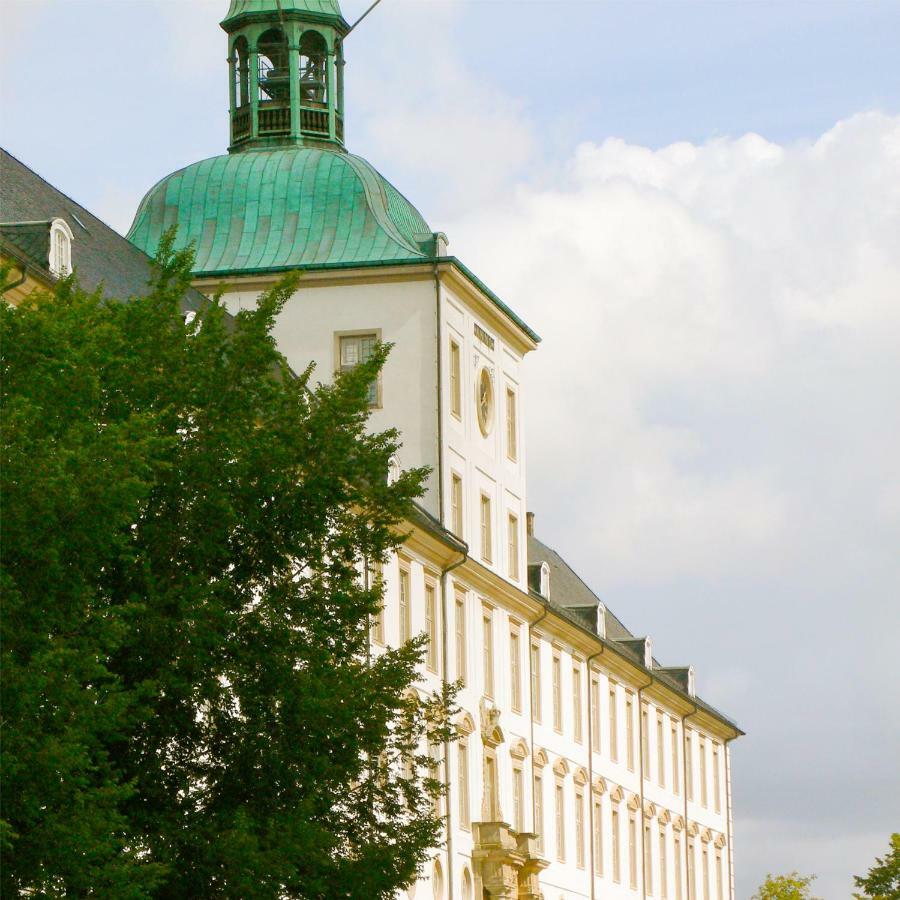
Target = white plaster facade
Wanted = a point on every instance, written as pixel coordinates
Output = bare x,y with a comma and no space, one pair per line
548,702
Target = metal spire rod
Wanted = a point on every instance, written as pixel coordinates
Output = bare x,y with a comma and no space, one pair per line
363,16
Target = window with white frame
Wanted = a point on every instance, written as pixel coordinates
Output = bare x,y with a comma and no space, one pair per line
456,504
455,380
512,554
486,536
61,238
460,634
511,418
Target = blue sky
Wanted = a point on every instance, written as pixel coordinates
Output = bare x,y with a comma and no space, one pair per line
698,206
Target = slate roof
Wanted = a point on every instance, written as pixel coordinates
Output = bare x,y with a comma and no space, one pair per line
569,591
284,208
100,255
573,599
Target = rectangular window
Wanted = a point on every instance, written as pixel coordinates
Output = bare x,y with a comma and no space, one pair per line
513,547
436,754
613,724
518,786
676,855
356,349
676,761
648,861
691,874
511,436
629,730
376,583
515,669
632,851
456,504
663,865
488,645
431,628
595,714
461,648
539,810
717,779
689,763
598,837
536,680
462,757
576,703
645,741
616,846
405,612
704,799
705,885
660,749
455,380
491,800
579,828
560,823
486,538
557,692
720,883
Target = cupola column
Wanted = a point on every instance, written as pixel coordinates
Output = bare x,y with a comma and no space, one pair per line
254,91
332,93
294,71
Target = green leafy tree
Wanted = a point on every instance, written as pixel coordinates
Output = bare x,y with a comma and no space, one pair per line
189,707
792,886
883,880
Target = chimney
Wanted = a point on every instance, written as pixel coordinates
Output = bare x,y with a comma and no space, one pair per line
529,524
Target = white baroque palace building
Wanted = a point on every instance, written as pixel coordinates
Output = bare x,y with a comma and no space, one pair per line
584,768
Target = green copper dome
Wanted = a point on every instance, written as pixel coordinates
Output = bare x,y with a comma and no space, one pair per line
282,208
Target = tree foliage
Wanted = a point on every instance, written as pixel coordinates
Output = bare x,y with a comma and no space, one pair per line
189,709
792,886
883,880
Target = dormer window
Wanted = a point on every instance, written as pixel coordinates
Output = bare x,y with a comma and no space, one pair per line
60,260
545,581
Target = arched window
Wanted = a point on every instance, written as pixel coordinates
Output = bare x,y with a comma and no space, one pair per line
241,62
274,79
437,882
313,58
466,885
61,237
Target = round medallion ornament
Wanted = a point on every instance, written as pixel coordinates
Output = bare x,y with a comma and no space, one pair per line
485,401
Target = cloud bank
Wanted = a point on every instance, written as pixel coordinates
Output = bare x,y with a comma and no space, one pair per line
714,440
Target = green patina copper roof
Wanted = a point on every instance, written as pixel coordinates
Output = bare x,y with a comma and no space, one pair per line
284,208
322,7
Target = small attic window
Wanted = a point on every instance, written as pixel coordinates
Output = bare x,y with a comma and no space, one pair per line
545,581
691,684
601,620
60,248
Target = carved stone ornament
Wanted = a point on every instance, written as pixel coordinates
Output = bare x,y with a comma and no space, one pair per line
519,749
664,817
580,776
561,767
678,823
599,785
649,809
465,725
491,732
540,758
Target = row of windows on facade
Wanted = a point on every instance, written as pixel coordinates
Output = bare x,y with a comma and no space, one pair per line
655,723
358,348
663,844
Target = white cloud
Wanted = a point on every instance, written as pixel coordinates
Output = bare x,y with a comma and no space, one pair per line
709,313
